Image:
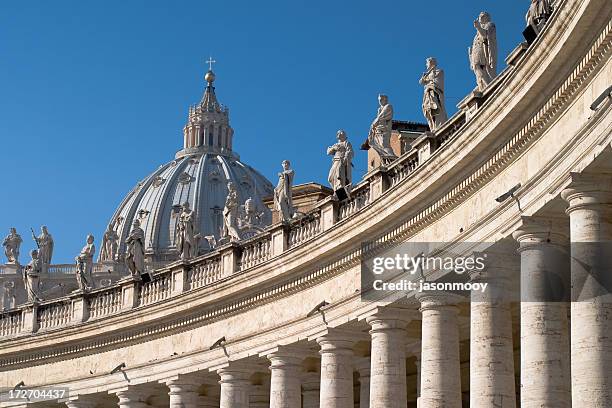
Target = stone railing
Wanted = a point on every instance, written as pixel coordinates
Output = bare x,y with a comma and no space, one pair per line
175,278
104,303
304,229
205,272
11,322
158,289
256,251
70,269
54,314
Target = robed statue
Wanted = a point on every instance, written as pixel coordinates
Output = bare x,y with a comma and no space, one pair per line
11,245
84,265
230,214
110,243
186,238
538,13
341,173
283,196
134,258
483,52
379,137
45,247
31,274
434,108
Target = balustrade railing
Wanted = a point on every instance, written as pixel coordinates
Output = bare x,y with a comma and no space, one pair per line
304,229
158,289
11,323
54,314
256,251
105,302
400,171
359,199
205,272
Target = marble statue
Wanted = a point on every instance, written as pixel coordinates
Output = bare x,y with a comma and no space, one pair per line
251,217
187,244
31,275
379,137
45,247
483,52
230,214
538,13
11,245
110,243
134,258
434,107
283,196
84,265
341,172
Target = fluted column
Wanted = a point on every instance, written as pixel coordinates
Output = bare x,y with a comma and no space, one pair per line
184,393
440,365
544,308
337,369
131,398
491,350
285,381
590,210
310,389
388,358
235,386
363,368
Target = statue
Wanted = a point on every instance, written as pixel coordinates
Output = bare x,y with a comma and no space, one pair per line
30,277
187,244
251,218
230,214
341,173
379,137
84,265
134,258
283,196
433,97
109,244
45,247
483,53
11,245
538,13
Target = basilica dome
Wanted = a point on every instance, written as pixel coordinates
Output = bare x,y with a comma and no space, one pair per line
198,175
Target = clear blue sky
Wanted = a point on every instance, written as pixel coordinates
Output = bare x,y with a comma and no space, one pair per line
94,95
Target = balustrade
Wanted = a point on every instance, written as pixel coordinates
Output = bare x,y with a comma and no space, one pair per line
304,230
256,252
156,290
54,314
11,323
105,303
359,199
204,273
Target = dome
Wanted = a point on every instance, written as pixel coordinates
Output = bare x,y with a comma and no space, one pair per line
199,175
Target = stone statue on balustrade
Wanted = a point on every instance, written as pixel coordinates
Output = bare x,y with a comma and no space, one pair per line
340,175
84,265
134,258
283,194
187,239
538,14
11,245
250,217
45,247
110,243
230,214
483,52
31,274
434,107
379,137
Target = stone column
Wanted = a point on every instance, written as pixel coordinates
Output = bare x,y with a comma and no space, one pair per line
311,389
131,398
388,358
590,211
491,350
544,325
337,369
82,401
440,365
184,393
363,368
285,381
235,386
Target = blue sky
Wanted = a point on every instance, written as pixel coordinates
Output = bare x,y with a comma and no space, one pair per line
94,95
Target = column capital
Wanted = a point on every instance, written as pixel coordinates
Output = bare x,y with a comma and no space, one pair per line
286,355
82,401
537,230
588,190
392,318
435,299
133,398
338,341
236,372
